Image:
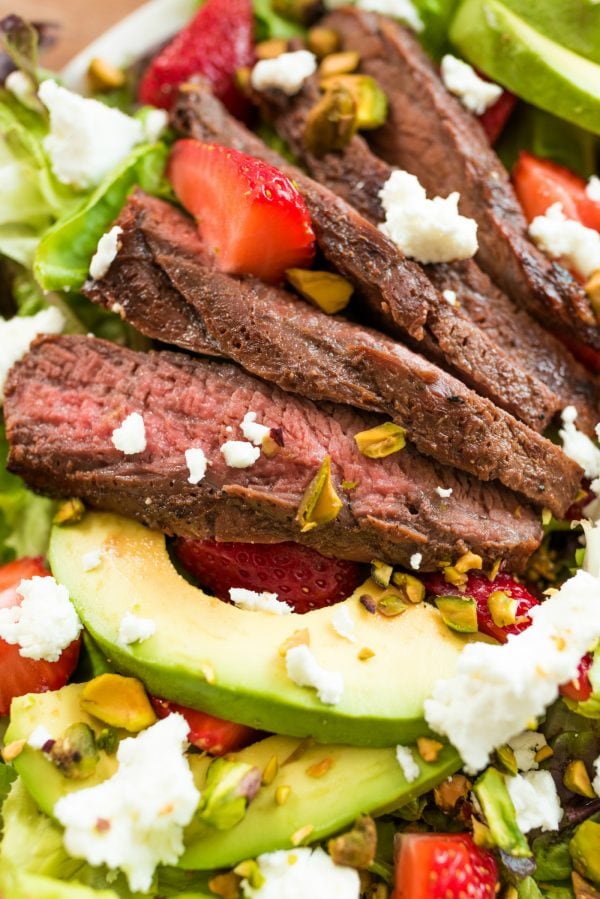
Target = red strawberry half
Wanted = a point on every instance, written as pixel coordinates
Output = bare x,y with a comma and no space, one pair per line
213,735
298,575
443,866
248,212
216,43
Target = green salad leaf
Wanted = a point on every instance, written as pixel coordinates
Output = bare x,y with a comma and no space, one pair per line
269,24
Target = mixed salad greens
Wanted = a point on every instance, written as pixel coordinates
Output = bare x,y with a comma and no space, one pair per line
49,232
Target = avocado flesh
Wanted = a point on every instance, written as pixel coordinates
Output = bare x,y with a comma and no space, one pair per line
508,49
574,24
199,637
358,781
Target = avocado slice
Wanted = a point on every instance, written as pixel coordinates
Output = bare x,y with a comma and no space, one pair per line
329,786
515,53
574,24
212,656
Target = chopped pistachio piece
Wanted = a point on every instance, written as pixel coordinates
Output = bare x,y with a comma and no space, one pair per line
227,886
302,834
13,750
546,752
270,772
108,740
282,794
69,512
298,638
451,791
103,76
500,815
357,847
469,562
381,572
349,485
118,701
320,769
230,787
381,441
300,750
507,759
583,889
320,503
584,849
329,292
592,288
301,11
459,613
454,577
371,102
503,608
75,754
322,41
482,835
250,871
429,749
339,64
331,124
365,654
271,49
410,586
391,604
494,570
242,79
577,780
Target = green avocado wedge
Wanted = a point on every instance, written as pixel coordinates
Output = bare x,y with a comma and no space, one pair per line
329,786
228,662
509,49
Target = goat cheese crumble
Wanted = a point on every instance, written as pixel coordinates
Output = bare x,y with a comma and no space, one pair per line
535,800
239,453
403,10
406,760
91,560
45,622
450,297
130,436
415,561
134,629
525,747
577,445
197,463
561,238
287,72
298,873
154,123
425,230
87,138
252,431
17,334
106,251
593,188
258,602
462,80
343,623
304,670
39,737
498,689
143,807
444,492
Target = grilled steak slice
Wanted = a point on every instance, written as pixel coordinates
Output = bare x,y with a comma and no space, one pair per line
357,175
430,134
349,242
282,339
64,399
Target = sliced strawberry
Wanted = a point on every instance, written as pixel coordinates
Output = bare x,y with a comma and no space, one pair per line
443,866
19,675
539,183
495,118
216,43
250,214
212,735
298,575
587,355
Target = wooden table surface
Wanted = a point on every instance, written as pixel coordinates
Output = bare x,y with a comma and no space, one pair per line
80,21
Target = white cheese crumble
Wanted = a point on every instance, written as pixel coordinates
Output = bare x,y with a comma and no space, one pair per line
155,121
535,800
591,557
304,670
21,86
450,297
415,561
39,737
577,445
134,629
87,139
143,807
596,780
343,623
17,334
425,230
106,251
252,431
561,238
130,436
298,873
258,602
197,463
525,747
91,560
462,80
287,72
444,492
406,760
593,188
498,689
45,622
403,10
239,453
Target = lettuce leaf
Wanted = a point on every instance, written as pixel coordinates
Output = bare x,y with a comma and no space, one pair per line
269,24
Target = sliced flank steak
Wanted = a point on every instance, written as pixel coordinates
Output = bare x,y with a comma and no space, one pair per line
288,342
357,175
429,133
382,275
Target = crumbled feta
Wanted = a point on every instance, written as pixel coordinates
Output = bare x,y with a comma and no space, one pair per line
535,800
130,436
596,780
444,492
462,80
343,623
91,560
253,432
197,463
498,689
525,747
155,121
304,670
426,230
239,453
406,760
134,629
591,558
593,188
403,10
450,297
287,72
415,561
561,238
39,737
258,602
578,446
298,873
45,622
17,334
143,807
106,251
